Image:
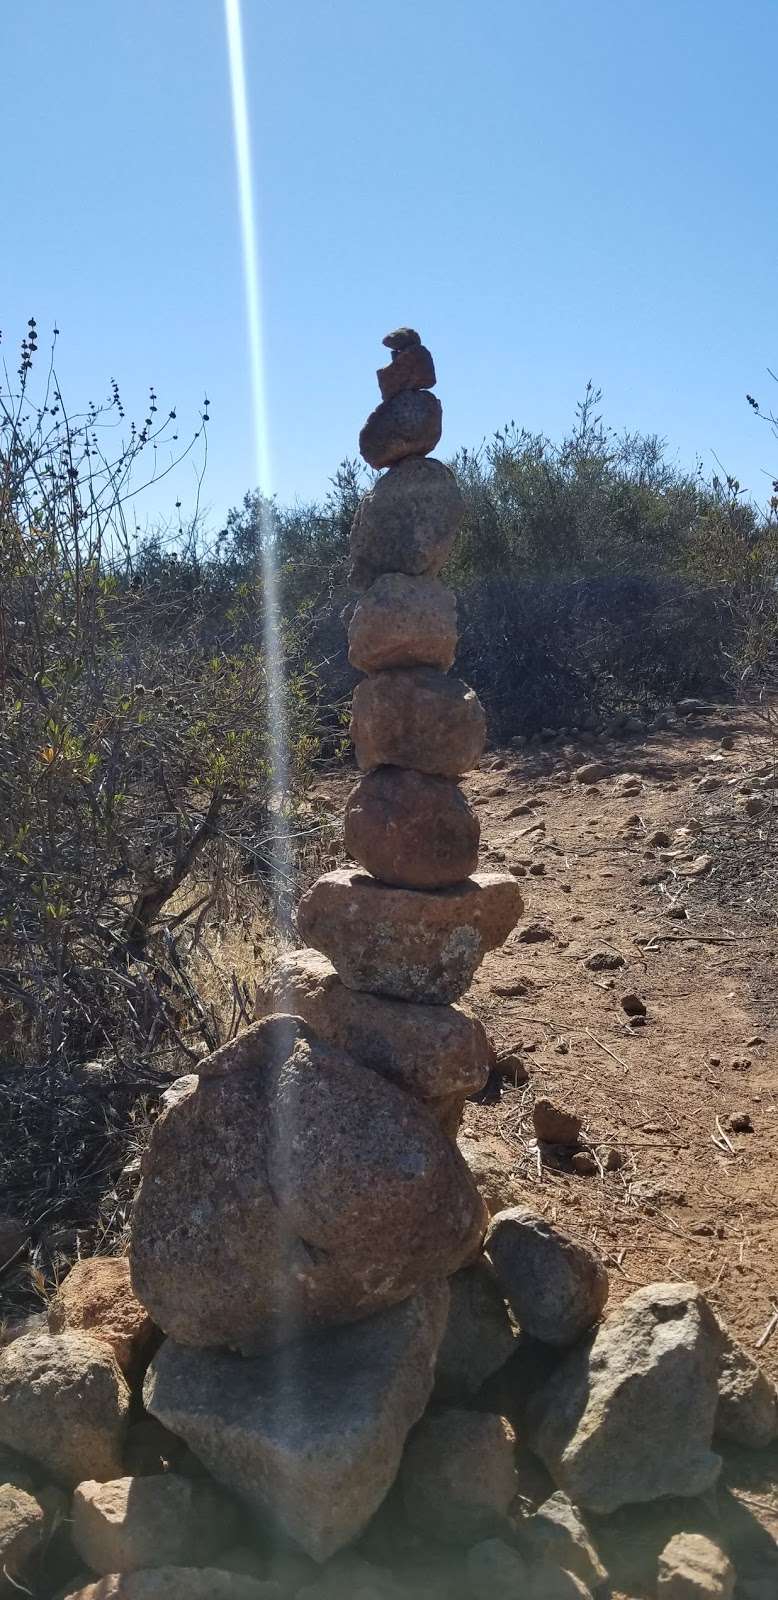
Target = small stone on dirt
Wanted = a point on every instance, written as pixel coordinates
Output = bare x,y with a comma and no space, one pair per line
584,1164
633,1005
693,1567
605,961
591,772
740,1122
554,1125
534,933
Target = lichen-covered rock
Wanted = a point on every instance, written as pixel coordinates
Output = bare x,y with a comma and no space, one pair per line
287,1188
96,1297
433,1054
64,1403
407,522
409,944
410,424
403,621
628,1415
411,830
458,1476
747,1411
150,1522
417,718
479,1336
555,1287
311,1433
694,1567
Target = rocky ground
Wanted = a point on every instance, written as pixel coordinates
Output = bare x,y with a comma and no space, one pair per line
631,1110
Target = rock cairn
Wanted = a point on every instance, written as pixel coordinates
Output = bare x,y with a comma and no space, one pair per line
303,1202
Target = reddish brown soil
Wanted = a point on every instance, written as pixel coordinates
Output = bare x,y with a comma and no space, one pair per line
693,1199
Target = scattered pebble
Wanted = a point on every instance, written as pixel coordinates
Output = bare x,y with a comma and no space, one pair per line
555,1125
534,933
633,1005
584,1164
740,1122
605,961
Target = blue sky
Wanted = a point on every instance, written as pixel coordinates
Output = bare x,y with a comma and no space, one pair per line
550,191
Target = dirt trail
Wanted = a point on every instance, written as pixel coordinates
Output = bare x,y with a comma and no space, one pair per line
692,1198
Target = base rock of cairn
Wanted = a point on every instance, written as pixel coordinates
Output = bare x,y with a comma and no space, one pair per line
273,1430
303,1199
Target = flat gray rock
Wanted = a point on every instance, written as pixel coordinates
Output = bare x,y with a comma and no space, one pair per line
312,1433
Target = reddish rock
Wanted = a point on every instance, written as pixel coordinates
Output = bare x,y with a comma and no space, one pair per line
288,1188
410,424
432,1053
411,368
410,829
403,621
554,1125
418,719
409,944
407,522
96,1297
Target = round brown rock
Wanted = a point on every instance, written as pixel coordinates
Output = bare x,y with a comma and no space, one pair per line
418,719
410,424
403,622
64,1402
411,368
410,829
434,1054
287,1188
410,944
407,522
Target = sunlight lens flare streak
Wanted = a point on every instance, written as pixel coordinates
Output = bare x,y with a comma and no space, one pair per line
279,747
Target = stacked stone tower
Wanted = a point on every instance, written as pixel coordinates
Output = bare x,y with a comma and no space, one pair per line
302,1200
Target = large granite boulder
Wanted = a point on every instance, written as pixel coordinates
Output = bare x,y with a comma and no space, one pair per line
64,1402
407,522
628,1415
411,830
410,424
410,944
434,1054
287,1188
403,621
312,1433
417,718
